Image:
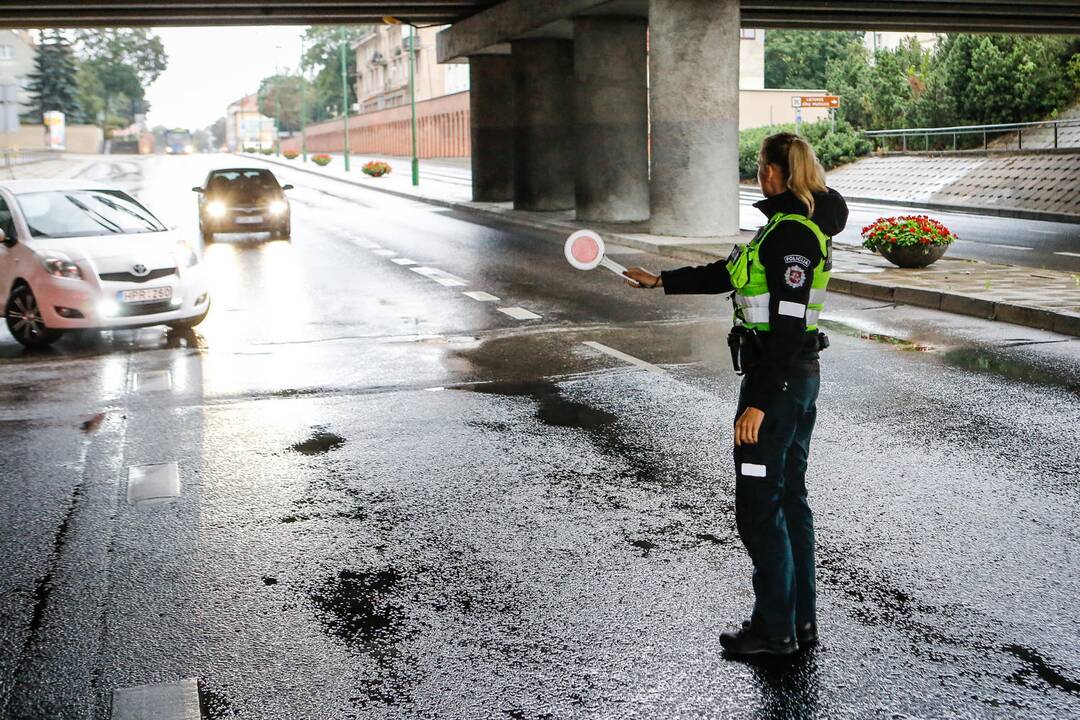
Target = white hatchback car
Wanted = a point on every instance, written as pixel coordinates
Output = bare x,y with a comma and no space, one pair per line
80,254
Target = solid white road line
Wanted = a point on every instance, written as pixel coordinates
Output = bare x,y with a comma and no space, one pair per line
519,313
618,354
1070,254
384,253
402,261
152,381
998,245
153,484
481,296
164,701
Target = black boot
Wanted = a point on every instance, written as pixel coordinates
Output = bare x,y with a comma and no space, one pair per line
747,640
806,634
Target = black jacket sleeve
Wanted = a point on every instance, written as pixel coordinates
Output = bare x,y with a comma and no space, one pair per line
789,254
708,279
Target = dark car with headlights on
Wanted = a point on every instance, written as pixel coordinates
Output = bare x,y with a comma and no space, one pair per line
243,200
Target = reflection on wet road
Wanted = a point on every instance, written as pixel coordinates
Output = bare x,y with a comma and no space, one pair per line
398,501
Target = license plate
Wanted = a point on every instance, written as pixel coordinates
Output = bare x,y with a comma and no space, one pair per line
244,219
144,295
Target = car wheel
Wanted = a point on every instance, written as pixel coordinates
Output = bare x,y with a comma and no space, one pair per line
184,325
25,322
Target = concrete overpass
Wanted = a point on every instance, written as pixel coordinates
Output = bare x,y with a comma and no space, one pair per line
562,110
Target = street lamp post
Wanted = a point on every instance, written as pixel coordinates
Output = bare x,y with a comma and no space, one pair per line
345,95
390,20
412,102
303,104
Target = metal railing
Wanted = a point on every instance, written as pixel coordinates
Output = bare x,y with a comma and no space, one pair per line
985,130
11,157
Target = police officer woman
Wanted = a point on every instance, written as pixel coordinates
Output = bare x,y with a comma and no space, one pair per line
778,285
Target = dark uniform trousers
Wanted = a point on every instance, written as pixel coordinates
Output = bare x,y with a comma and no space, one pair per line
771,511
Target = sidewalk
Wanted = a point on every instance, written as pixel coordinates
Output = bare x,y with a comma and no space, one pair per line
1045,299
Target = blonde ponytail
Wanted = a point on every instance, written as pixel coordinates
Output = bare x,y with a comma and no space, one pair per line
802,171
805,174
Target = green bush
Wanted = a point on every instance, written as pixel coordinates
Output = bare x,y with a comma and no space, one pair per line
251,150
321,159
267,151
833,147
290,154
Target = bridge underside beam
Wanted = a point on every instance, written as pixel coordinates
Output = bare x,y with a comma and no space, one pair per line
513,19
90,13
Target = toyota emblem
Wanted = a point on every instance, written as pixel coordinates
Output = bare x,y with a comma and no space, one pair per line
139,269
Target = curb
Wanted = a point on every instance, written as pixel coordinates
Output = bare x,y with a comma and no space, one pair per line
1039,318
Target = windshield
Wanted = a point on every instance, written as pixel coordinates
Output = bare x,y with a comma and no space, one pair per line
77,213
241,182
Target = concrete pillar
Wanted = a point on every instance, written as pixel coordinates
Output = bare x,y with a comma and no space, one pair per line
491,110
611,119
543,108
694,90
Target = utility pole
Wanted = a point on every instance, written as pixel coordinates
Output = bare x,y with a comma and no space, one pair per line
303,103
345,95
412,102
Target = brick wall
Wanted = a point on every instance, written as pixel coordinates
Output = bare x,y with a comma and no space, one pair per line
443,131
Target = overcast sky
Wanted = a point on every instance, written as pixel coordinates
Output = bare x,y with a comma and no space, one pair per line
213,66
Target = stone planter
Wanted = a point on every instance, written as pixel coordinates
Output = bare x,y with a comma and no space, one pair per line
913,256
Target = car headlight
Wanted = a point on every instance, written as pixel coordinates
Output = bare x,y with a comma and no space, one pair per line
189,148
59,265
186,256
278,207
216,209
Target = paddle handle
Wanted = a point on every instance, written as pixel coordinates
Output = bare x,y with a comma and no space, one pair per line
613,266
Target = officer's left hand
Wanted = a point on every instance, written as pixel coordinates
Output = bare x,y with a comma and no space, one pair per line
747,426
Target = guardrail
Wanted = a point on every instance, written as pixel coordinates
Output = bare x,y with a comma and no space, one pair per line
984,130
10,157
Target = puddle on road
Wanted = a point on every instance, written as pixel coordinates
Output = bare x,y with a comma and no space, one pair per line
852,331
630,462
969,358
320,442
1036,665
356,607
554,409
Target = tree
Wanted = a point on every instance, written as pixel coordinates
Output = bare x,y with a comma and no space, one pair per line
797,58
323,55
218,133
119,64
53,85
279,98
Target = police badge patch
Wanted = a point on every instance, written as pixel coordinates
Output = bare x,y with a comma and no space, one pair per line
795,276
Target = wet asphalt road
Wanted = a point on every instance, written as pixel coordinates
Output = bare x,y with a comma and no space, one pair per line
398,501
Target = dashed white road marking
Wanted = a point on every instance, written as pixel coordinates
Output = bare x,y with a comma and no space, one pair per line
153,484
618,354
382,252
443,278
402,261
153,381
481,296
999,245
164,701
519,313
1070,254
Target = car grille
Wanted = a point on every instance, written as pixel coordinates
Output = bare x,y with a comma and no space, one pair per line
129,277
147,308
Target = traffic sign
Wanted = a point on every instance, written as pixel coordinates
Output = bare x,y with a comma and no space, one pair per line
816,101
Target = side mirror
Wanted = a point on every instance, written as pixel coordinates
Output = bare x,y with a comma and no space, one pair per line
286,187
197,189
5,240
